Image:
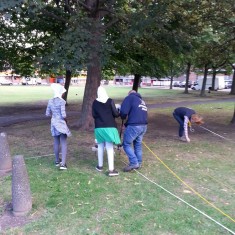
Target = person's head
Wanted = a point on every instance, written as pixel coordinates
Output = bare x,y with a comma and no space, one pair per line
195,118
102,95
58,89
131,91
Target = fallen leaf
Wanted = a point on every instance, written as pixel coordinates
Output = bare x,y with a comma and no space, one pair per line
187,191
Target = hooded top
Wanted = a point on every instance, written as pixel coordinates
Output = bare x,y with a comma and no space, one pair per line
58,90
134,109
104,110
102,95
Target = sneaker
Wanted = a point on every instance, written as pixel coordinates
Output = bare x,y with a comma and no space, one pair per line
130,168
99,168
58,163
63,167
113,173
183,139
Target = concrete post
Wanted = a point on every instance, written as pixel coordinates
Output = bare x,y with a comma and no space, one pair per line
21,194
5,156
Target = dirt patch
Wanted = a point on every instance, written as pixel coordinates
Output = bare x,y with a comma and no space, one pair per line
8,220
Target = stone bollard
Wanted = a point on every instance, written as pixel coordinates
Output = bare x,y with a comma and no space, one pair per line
5,156
21,194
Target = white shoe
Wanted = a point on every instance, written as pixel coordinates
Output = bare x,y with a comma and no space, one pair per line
183,139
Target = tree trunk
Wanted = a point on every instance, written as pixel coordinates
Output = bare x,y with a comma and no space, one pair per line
213,79
67,83
171,83
136,83
233,119
232,92
93,76
187,77
96,29
204,81
92,83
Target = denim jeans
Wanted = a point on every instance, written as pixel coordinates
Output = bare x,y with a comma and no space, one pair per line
181,122
134,135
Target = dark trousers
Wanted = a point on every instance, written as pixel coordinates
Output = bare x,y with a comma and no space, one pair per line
180,120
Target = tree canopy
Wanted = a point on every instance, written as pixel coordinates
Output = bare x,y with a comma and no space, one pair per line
145,38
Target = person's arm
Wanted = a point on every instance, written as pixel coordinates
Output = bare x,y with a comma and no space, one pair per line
62,109
48,110
63,112
186,121
125,107
114,110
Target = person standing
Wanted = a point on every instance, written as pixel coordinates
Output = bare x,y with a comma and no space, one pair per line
185,117
59,129
135,110
106,134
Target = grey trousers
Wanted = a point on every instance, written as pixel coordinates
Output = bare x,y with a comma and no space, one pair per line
60,141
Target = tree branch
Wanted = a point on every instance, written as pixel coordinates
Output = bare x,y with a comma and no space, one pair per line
52,15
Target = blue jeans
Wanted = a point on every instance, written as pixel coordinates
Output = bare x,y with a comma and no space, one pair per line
134,135
181,122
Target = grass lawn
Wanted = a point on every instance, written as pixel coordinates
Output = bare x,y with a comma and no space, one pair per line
84,201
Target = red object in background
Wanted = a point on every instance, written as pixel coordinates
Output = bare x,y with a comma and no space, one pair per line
51,80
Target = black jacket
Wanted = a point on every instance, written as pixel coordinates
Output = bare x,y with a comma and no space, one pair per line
104,114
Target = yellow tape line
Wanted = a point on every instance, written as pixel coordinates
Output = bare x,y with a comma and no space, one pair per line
198,194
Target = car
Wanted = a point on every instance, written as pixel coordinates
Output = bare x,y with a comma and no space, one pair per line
4,81
29,81
104,82
228,85
195,87
176,83
182,84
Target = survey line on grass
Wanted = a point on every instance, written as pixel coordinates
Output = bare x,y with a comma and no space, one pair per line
201,212
198,194
182,200
217,134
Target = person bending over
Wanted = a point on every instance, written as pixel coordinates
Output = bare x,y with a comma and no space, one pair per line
185,117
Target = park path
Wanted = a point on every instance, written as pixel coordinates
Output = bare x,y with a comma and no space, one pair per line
25,114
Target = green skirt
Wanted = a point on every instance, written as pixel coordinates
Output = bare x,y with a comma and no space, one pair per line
108,134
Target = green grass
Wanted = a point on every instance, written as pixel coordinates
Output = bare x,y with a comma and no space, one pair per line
12,95
84,201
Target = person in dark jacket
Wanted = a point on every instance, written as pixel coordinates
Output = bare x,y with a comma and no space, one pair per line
135,110
104,113
185,117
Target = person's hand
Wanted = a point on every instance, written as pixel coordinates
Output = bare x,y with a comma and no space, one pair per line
188,140
118,107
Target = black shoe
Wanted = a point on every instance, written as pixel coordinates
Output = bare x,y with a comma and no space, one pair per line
130,168
113,173
63,167
99,168
58,163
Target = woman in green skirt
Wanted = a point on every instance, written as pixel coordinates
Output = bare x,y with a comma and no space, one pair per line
104,113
